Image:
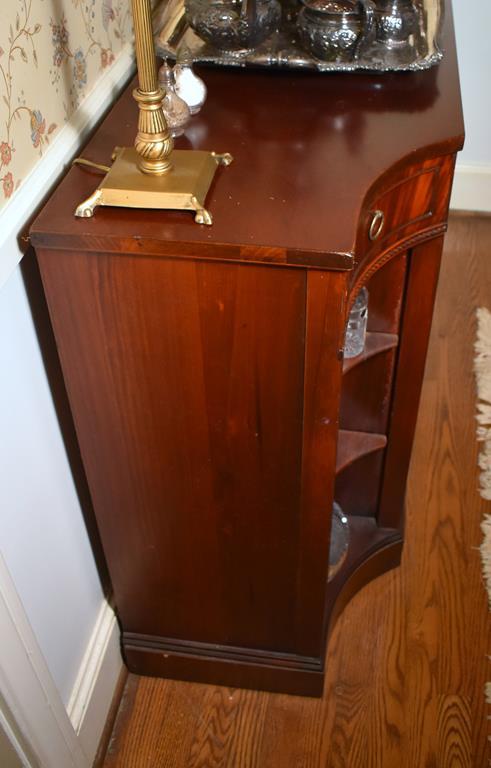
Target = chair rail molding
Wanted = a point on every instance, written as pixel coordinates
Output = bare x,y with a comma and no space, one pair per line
20,209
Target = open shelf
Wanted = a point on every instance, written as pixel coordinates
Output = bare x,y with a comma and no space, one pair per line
354,445
375,344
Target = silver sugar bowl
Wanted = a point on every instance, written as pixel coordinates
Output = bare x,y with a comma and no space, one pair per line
336,30
234,25
396,21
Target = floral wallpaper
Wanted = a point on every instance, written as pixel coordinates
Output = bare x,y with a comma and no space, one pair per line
51,54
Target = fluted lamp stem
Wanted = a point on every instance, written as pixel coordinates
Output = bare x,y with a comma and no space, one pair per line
153,141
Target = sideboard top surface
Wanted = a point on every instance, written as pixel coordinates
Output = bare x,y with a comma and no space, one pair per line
307,149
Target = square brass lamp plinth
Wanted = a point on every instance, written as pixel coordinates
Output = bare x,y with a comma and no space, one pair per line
153,174
183,187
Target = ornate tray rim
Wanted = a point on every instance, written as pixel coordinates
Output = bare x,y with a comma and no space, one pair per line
173,32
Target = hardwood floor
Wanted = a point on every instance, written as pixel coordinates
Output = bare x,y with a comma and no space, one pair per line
407,661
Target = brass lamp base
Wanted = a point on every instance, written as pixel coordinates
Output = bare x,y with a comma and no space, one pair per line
183,187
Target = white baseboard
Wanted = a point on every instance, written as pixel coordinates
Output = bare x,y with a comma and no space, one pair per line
96,681
28,689
472,188
45,174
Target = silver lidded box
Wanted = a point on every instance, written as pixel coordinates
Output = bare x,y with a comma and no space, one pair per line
381,52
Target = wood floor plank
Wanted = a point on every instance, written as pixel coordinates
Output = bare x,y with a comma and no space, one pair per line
454,732
229,730
407,662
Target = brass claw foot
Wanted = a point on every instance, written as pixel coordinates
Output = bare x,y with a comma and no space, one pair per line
222,159
202,216
86,209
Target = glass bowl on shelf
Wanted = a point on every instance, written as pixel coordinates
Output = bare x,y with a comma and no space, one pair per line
356,328
338,547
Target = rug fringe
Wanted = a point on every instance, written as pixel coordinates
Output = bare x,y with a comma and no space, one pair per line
482,370
486,554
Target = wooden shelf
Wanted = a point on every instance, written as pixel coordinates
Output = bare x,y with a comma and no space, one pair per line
375,344
354,445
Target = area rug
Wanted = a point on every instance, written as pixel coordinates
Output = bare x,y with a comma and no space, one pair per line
482,369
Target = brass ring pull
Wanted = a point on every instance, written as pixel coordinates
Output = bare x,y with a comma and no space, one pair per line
377,225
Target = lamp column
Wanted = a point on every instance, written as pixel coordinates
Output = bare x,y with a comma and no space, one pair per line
153,141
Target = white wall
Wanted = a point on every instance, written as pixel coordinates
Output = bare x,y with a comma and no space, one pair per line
472,188
472,27
42,533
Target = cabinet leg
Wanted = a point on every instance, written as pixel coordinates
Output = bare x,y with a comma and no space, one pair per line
424,267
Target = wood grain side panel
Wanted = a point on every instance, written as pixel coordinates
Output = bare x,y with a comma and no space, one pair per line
326,297
186,382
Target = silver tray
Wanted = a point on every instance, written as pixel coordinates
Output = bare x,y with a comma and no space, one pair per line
283,49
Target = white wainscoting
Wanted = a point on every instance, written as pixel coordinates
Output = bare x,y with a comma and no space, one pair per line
96,682
472,188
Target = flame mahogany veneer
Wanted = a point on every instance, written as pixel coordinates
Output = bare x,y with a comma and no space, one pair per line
204,365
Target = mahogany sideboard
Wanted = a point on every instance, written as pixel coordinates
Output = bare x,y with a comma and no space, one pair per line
216,417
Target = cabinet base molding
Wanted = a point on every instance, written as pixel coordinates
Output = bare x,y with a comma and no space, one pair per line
232,667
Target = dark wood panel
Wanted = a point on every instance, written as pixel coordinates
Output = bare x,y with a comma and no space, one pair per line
186,382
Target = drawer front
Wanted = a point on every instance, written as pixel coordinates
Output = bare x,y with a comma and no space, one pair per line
415,202
408,202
